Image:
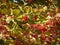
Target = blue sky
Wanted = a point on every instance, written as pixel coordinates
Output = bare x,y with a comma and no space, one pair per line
16,0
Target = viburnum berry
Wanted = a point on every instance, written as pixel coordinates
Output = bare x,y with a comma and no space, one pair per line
47,40
6,36
34,25
54,28
50,14
50,23
35,18
38,27
25,18
26,33
43,36
58,22
2,29
35,35
41,27
2,15
19,41
2,22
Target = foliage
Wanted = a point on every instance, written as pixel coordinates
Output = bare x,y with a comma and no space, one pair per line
25,24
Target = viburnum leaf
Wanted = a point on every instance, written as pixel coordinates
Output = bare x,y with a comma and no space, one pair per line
16,12
58,39
20,16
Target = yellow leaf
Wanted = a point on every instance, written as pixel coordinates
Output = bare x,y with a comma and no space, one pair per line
16,11
20,16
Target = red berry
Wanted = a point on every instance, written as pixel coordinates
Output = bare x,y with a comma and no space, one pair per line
35,18
6,36
17,43
2,28
2,15
47,40
2,22
34,25
54,28
43,36
26,33
50,23
35,35
58,22
50,14
25,18
41,27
